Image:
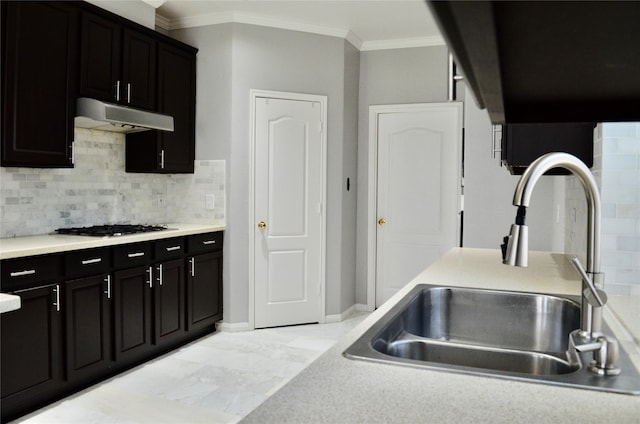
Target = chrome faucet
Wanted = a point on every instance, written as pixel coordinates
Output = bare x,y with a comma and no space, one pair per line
515,253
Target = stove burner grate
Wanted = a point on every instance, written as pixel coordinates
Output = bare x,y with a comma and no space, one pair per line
110,230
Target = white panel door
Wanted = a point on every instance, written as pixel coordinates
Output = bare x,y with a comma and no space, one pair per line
288,207
418,192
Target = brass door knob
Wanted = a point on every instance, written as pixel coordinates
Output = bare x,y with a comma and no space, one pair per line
262,225
381,222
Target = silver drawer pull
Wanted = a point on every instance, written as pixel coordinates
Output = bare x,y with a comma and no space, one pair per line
92,261
135,255
209,242
23,273
172,248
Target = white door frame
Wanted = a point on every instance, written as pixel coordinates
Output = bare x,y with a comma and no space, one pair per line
372,177
254,95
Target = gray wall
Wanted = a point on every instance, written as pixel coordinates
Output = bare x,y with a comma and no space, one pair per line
419,75
489,192
350,158
413,75
235,58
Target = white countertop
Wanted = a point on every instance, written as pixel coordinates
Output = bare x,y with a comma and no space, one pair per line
335,389
9,302
17,247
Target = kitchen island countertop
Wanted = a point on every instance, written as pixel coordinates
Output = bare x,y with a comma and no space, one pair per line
17,247
336,389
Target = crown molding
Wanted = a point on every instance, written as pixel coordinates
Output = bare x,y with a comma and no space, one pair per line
403,43
244,18
162,22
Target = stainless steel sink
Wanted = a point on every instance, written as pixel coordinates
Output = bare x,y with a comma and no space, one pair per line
502,334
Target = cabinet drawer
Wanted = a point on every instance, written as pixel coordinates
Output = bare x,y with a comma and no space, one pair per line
24,272
87,262
131,255
205,242
169,248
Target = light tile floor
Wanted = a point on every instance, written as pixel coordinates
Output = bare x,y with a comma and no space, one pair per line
217,379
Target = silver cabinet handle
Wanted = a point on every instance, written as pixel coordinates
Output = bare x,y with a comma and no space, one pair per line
192,261
160,274
117,96
496,135
173,248
135,255
150,281
129,92
23,273
107,280
207,242
57,302
162,159
91,261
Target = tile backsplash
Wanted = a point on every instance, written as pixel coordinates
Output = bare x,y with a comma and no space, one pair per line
98,191
617,172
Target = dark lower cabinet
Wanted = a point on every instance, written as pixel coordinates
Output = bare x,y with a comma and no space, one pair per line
169,302
116,308
88,315
31,362
132,313
204,290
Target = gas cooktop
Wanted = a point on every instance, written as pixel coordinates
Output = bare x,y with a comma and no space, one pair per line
111,230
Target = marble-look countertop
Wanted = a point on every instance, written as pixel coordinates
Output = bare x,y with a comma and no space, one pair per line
336,389
18,247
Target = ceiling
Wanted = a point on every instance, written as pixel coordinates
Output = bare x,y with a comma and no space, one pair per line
367,24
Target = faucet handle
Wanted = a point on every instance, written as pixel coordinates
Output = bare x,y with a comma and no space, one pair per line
593,295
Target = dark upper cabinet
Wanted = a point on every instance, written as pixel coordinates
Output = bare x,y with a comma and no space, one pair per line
139,69
118,64
524,143
39,84
162,151
547,61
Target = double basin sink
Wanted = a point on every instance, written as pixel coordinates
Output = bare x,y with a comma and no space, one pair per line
522,336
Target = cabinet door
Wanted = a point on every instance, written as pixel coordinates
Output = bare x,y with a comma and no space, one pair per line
204,290
88,326
31,352
100,58
39,83
176,97
138,69
132,313
169,301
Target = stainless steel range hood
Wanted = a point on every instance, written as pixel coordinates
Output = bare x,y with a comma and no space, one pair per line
99,115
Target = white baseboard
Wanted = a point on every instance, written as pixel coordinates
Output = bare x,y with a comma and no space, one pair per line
233,327
361,307
340,317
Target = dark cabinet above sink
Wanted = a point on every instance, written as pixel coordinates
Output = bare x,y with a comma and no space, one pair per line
547,61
